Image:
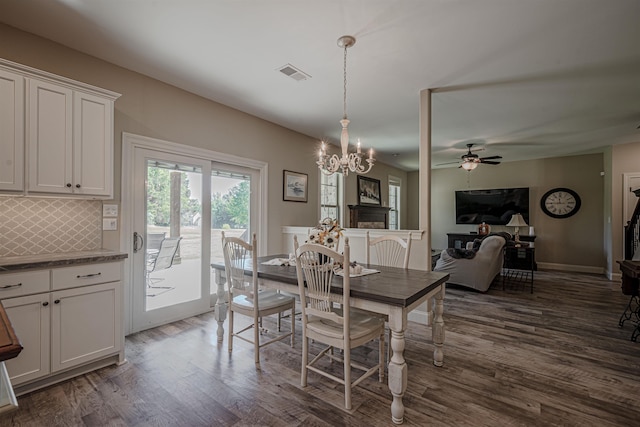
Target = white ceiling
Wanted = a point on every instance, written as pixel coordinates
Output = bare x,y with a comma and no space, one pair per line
522,78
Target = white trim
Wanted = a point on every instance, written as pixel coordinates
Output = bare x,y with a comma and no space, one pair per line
614,277
359,232
131,142
573,268
396,182
419,316
30,72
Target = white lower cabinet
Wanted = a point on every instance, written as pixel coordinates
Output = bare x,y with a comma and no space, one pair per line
84,324
76,325
31,320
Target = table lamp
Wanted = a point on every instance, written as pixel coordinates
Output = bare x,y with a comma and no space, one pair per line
517,221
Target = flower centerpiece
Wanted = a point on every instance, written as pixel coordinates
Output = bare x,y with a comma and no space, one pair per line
327,233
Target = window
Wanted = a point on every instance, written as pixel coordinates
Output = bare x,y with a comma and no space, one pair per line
331,196
394,203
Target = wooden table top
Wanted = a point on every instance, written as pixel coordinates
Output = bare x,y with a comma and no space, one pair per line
9,344
394,286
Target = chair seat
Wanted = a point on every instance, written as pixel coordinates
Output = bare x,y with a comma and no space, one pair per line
266,300
362,324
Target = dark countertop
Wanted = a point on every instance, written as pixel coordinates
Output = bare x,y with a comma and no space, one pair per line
23,262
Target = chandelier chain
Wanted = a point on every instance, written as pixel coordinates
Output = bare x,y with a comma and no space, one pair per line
345,80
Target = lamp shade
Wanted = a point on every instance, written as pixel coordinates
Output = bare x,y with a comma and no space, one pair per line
517,221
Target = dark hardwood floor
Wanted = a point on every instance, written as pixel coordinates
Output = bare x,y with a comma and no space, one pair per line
552,358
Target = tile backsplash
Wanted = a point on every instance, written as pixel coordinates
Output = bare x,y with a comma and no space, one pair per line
30,226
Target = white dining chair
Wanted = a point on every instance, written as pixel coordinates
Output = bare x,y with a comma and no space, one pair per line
391,251
246,298
327,317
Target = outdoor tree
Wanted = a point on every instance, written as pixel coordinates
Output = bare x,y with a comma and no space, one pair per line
238,205
159,198
231,209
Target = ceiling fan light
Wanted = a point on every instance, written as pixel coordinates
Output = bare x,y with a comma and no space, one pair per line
469,166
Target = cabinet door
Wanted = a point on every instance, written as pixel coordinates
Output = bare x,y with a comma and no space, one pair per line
29,317
93,145
49,138
11,131
85,324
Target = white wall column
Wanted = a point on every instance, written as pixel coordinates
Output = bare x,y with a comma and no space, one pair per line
424,212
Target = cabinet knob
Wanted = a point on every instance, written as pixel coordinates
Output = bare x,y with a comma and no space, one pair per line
68,184
46,303
77,185
57,301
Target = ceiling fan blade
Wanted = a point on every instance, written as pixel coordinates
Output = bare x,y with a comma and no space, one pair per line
489,162
447,163
490,157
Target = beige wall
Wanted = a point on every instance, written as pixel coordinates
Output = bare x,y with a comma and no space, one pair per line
382,172
575,242
151,108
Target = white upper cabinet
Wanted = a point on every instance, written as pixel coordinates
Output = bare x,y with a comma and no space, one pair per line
93,145
11,131
67,129
50,138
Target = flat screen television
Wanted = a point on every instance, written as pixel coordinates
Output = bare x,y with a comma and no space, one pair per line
494,206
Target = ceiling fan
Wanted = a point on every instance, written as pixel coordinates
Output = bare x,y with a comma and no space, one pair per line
471,160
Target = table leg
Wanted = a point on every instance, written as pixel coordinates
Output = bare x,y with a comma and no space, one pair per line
438,328
220,309
397,366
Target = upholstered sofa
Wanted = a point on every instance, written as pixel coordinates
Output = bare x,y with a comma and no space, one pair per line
477,272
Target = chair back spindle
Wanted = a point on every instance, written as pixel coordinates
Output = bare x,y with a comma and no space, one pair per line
390,251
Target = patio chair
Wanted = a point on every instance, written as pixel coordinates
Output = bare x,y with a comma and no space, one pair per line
328,318
154,240
163,260
246,298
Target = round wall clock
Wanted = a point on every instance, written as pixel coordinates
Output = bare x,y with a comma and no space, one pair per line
560,203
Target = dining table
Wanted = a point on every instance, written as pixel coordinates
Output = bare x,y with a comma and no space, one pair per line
390,291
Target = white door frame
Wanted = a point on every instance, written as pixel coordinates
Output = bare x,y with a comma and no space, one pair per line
131,142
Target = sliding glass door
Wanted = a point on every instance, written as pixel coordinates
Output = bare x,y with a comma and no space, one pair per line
232,210
179,206
171,250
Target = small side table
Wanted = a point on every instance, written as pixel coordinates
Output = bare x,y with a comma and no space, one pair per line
519,264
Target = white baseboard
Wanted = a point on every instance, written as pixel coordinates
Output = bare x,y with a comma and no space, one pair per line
418,316
572,268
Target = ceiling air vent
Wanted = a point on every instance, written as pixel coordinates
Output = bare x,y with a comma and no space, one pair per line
296,74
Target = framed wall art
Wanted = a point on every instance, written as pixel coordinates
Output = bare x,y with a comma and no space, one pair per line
369,191
295,187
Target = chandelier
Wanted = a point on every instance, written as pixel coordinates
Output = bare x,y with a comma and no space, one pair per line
348,161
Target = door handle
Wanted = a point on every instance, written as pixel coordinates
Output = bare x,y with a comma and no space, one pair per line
137,236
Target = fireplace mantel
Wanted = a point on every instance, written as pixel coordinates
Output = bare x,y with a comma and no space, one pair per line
363,216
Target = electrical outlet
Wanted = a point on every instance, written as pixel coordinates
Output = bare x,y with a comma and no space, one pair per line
109,210
109,224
